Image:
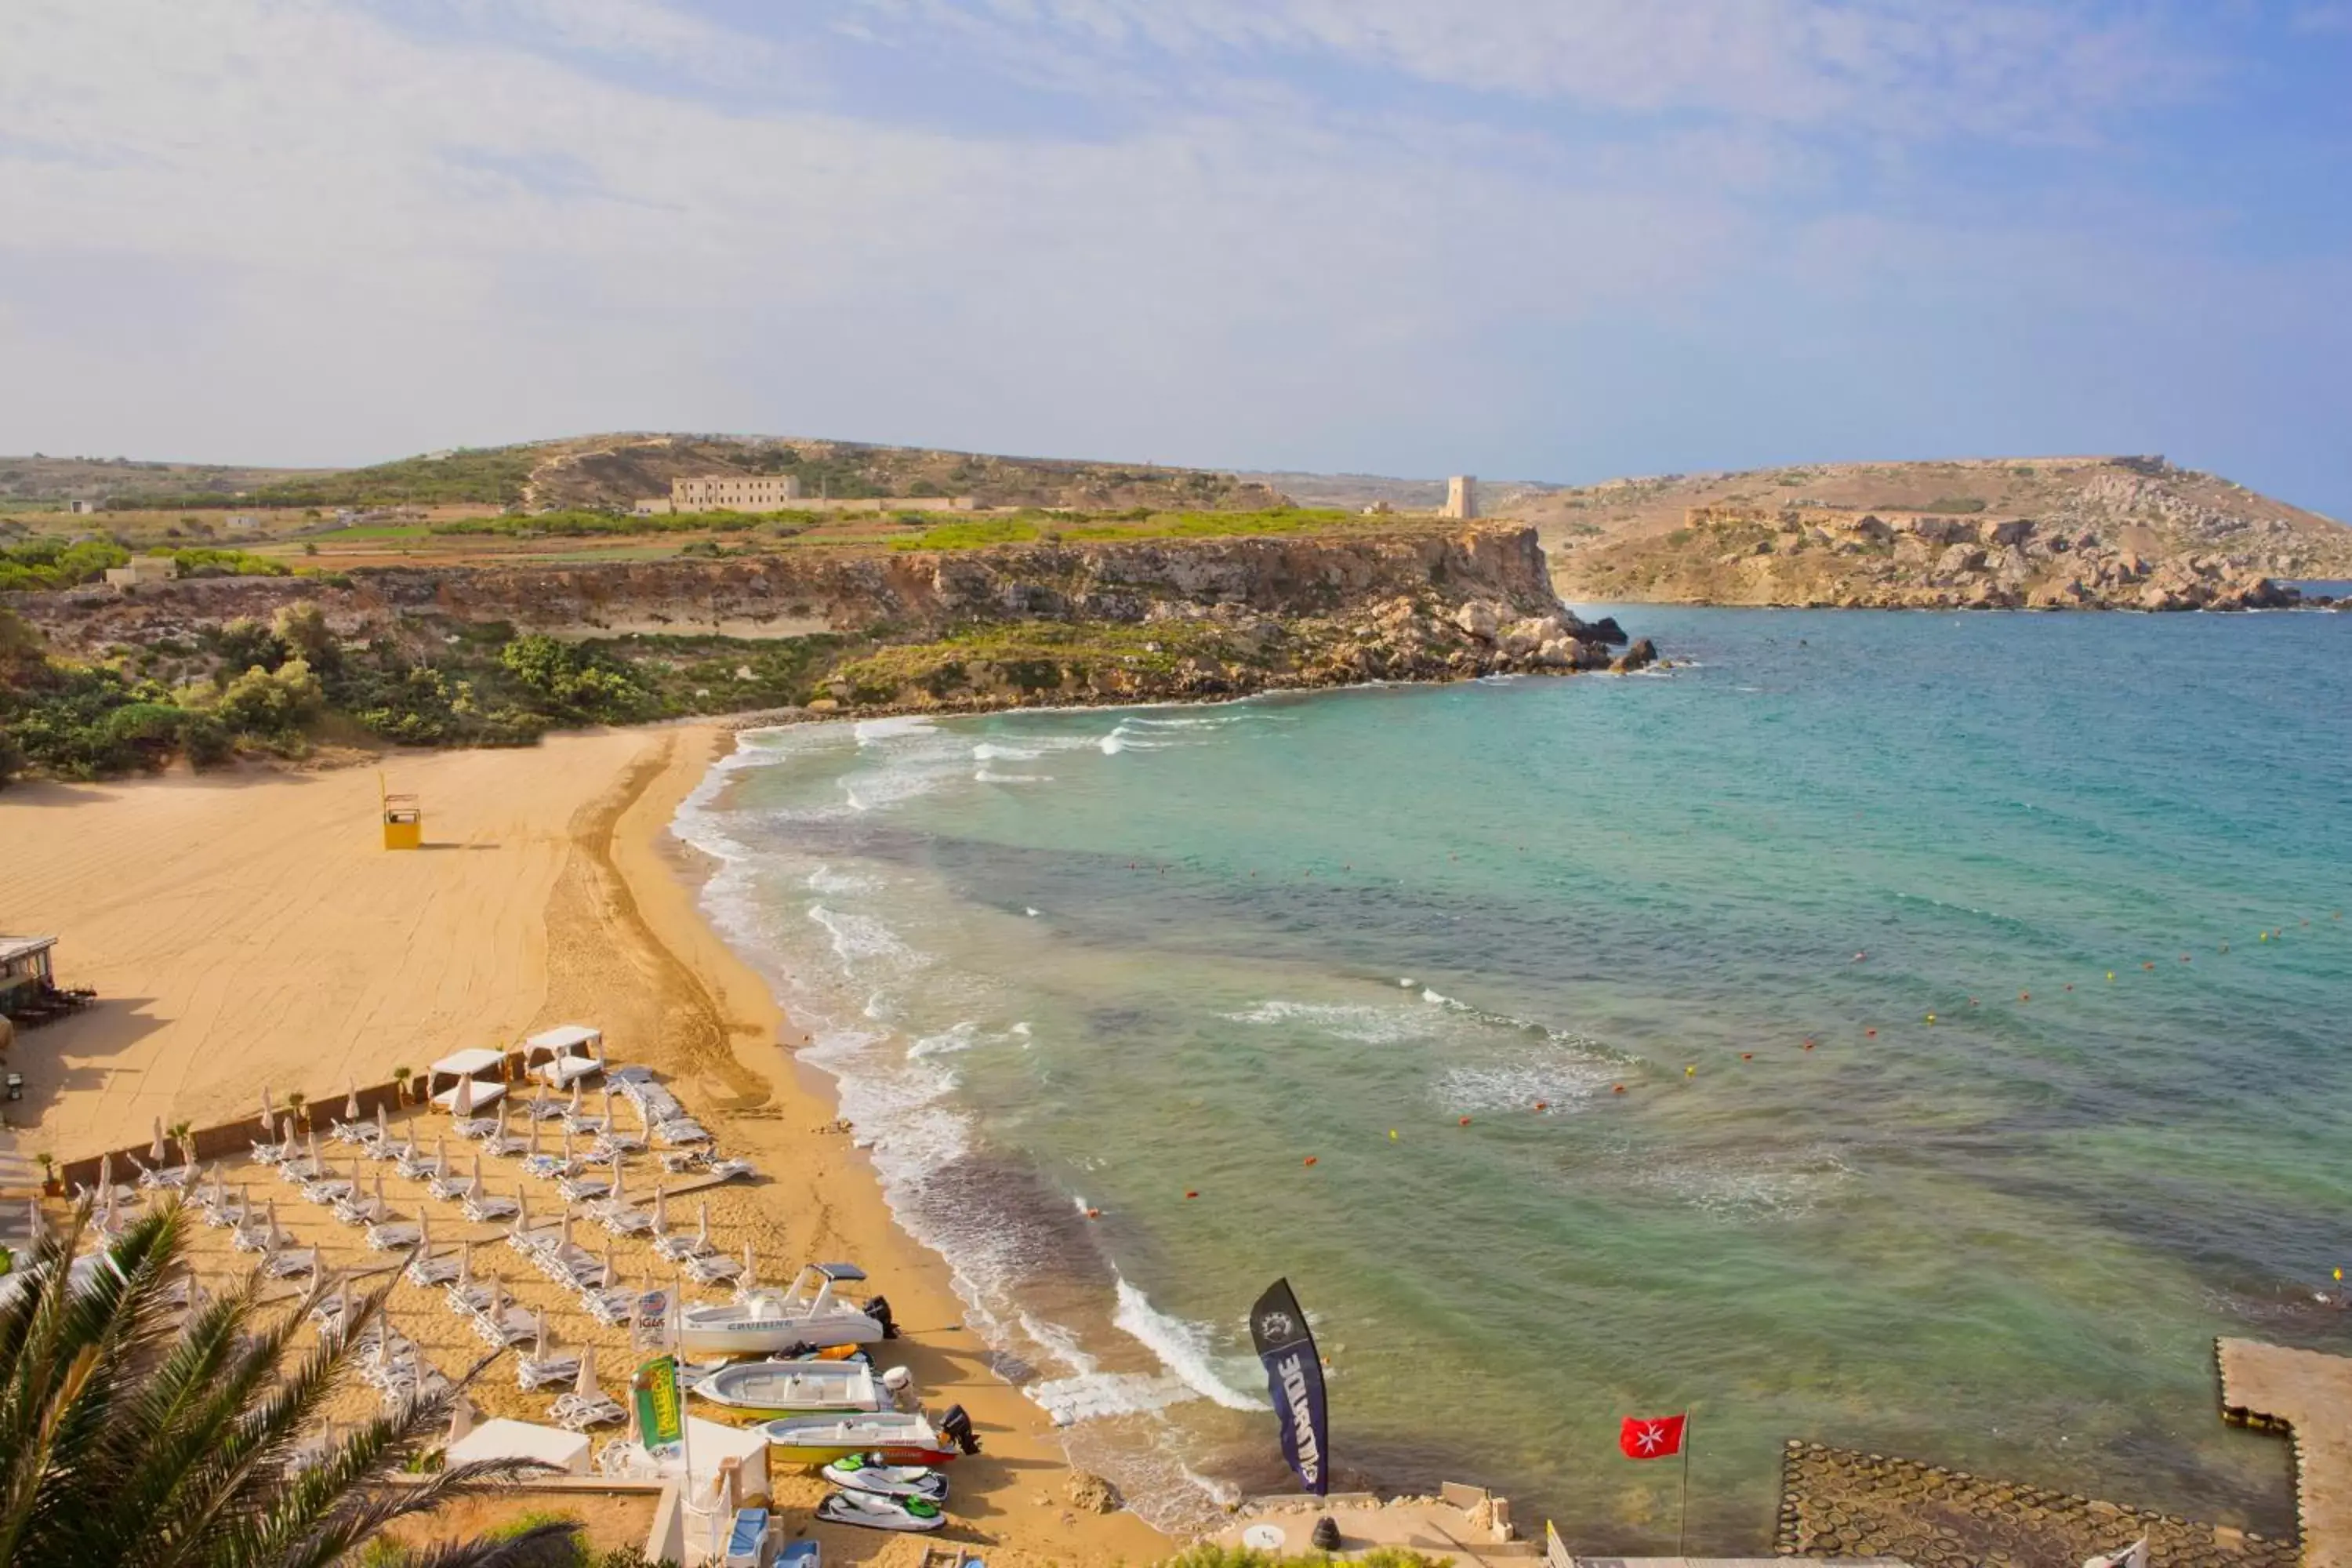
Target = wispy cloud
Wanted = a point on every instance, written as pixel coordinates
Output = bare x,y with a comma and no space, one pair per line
1572,238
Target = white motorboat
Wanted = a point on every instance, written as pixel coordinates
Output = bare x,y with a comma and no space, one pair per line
761,1321
890,1436
767,1389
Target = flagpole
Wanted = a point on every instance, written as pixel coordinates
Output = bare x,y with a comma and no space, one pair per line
1682,1527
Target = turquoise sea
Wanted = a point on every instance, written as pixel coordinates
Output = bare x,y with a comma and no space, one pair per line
1071,969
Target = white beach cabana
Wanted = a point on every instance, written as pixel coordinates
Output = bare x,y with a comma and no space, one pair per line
565,1054
466,1069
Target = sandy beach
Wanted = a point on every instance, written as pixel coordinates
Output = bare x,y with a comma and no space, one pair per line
247,930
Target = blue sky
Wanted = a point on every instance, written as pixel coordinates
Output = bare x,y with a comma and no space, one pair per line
1546,238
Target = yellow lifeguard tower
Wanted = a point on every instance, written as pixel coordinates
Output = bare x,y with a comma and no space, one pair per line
403,819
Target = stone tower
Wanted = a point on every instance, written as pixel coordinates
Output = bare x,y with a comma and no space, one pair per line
1461,497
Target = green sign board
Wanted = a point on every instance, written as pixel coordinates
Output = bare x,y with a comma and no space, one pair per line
661,1416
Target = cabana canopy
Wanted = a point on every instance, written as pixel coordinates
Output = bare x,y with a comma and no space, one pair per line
574,1037
469,1064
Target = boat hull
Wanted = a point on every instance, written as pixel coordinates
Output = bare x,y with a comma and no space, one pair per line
766,1391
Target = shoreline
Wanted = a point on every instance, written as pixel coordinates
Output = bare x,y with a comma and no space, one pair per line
664,876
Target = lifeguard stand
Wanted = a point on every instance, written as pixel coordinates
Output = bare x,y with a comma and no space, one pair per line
403,819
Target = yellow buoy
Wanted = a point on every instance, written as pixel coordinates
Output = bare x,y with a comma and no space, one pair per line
1931,1017
1393,1132
1690,1073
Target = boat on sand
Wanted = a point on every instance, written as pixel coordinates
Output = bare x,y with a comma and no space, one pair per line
896,1436
765,1321
767,1389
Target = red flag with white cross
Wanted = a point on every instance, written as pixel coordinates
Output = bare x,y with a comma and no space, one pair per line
1651,1438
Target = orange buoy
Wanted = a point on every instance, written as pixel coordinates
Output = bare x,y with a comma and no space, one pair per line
1466,1121
1093,1214
1748,1056
1619,1089
1543,1105
1872,1033
2184,958
2149,965
1808,1044
1310,1159
2025,995
1191,1193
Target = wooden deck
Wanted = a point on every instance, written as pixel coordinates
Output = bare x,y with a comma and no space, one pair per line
2308,1395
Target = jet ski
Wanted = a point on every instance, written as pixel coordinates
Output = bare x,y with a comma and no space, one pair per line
872,1473
876,1513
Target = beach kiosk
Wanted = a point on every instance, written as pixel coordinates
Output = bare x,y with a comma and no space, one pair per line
26,981
403,818
476,1080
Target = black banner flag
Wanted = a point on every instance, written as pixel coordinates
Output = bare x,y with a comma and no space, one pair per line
1294,1374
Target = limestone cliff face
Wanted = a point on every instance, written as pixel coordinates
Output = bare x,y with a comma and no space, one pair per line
1106,621
794,593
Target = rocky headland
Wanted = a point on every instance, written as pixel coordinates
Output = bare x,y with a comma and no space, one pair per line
2126,533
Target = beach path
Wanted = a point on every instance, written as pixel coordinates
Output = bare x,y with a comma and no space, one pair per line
248,927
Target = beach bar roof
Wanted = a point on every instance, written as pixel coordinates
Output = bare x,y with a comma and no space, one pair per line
562,1037
505,1439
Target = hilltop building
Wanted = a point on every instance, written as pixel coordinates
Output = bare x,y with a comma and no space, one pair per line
734,493
83,508
1461,497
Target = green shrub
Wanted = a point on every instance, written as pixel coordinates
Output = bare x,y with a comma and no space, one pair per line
207,562
51,562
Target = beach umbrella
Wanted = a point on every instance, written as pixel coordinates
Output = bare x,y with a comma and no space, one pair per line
502,1124
522,1209
661,1212
702,1225
310,1147
534,1137
584,1384
461,1421
269,1217
612,1276
268,1113
106,1174
425,1236
37,1230
352,1102
538,1100
440,1151
750,1274
597,1046
564,1237
286,1136
461,1099
539,1327
106,1208
155,1151
464,1267
381,1210
384,1128
617,1179
607,1092
575,1097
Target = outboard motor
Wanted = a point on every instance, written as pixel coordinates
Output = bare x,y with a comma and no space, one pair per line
956,1426
878,1309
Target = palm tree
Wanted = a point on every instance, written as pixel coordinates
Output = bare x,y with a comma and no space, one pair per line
138,1430
399,1077
294,1104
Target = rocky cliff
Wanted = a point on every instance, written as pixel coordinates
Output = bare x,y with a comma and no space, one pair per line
1095,621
